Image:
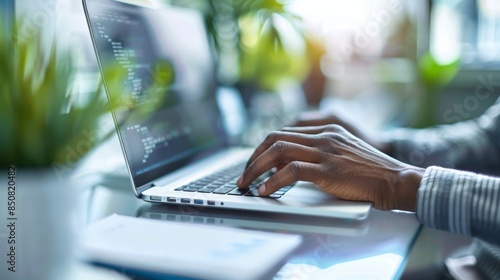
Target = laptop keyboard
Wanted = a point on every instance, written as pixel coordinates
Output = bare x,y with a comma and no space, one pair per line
224,183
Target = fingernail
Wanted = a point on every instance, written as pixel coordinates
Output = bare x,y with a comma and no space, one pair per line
262,189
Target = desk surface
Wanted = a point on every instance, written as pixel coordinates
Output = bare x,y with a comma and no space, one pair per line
375,248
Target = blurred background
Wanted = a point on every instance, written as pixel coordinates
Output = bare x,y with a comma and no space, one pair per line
379,63
383,63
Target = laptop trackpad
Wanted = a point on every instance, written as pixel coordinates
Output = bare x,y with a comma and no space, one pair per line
309,197
308,194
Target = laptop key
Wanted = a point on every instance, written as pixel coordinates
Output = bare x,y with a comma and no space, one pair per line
207,189
211,177
222,190
230,185
280,192
237,191
191,189
253,192
216,184
202,182
220,180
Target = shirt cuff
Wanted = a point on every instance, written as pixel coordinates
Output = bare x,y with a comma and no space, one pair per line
445,199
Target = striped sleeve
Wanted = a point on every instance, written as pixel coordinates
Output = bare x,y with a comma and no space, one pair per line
460,202
488,259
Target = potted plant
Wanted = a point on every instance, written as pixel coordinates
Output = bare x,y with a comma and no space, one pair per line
41,129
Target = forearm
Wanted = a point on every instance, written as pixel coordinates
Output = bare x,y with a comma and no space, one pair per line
462,146
460,202
469,145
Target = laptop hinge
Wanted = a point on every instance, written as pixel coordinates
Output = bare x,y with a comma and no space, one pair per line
143,188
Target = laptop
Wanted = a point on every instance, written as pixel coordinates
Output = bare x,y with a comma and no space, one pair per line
180,153
274,222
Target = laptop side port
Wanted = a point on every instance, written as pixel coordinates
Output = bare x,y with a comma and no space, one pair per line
198,201
155,198
185,200
171,199
210,202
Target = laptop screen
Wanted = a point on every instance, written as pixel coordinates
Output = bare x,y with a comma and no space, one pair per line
185,125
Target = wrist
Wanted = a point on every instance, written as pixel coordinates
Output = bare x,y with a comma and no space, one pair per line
407,189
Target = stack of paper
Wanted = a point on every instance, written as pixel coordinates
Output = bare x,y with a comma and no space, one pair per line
198,251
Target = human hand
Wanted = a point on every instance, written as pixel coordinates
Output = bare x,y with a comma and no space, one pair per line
336,161
318,118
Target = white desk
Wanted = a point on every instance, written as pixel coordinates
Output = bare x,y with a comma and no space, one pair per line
375,248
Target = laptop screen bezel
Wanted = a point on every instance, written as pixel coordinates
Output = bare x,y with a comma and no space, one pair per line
146,180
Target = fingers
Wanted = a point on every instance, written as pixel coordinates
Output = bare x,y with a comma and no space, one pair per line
279,153
305,129
314,129
291,173
276,136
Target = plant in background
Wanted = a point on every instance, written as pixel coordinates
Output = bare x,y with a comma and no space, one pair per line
267,41
38,118
45,131
272,48
433,76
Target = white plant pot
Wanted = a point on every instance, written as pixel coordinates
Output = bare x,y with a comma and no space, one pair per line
41,224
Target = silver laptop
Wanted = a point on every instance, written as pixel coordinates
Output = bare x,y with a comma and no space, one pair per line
180,153
249,220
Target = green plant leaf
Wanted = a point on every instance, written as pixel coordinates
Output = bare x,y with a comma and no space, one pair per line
435,74
39,123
